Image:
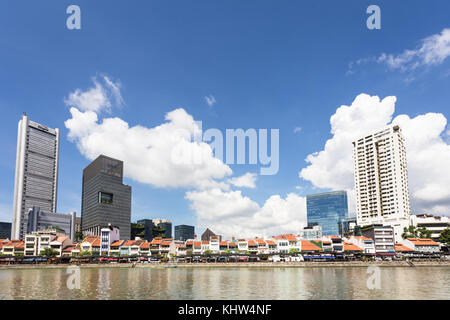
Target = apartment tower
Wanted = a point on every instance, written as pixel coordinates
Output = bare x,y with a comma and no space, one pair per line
36,178
381,179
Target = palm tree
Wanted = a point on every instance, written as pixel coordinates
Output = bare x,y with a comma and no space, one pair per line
49,252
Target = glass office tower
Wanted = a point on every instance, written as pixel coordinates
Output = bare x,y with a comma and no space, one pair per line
36,180
327,210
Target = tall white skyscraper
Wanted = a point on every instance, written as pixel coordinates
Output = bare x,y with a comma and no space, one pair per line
36,180
381,179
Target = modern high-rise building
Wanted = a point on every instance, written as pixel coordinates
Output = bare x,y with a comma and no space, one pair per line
184,232
162,228
105,199
381,179
327,210
5,230
39,220
36,179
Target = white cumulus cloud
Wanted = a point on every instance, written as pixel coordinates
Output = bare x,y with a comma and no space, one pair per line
229,213
245,181
428,154
98,97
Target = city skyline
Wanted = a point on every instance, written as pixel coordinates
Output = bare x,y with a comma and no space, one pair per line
120,107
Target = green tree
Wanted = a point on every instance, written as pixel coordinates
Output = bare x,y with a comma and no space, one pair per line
293,250
85,253
415,232
189,252
78,236
49,252
207,252
444,237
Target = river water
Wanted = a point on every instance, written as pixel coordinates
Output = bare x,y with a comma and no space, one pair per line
228,283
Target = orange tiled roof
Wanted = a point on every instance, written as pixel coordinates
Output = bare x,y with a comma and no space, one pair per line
117,243
260,241
252,243
223,243
423,242
362,238
157,240
309,246
91,239
128,243
205,242
96,243
68,248
197,244
61,239
190,242
270,242
332,237
166,243
289,237
351,247
402,248
145,245
138,242
232,244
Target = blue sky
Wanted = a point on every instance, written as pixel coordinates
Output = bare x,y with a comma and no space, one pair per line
268,64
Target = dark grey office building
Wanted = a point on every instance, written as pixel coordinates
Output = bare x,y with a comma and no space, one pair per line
105,199
162,228
184,232
5,230
148,228
42,220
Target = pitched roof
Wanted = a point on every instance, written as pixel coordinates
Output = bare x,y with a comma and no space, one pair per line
91,239
423,242
223,243
145,245
348,246
270,242
309,246
128,243
117,243
402,248
252,243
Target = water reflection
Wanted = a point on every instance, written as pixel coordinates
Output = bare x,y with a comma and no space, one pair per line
227,283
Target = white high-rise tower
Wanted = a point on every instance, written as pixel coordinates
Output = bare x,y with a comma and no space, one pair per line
381,179
36,180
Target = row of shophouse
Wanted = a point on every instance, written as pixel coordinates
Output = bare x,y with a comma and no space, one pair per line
381,243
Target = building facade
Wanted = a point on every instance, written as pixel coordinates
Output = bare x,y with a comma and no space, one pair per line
184,232
435,224
311,232
381,179
327,210
108,235
36,176
39,220
105,199
383,238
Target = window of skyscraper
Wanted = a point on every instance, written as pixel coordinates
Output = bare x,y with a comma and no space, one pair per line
106,198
